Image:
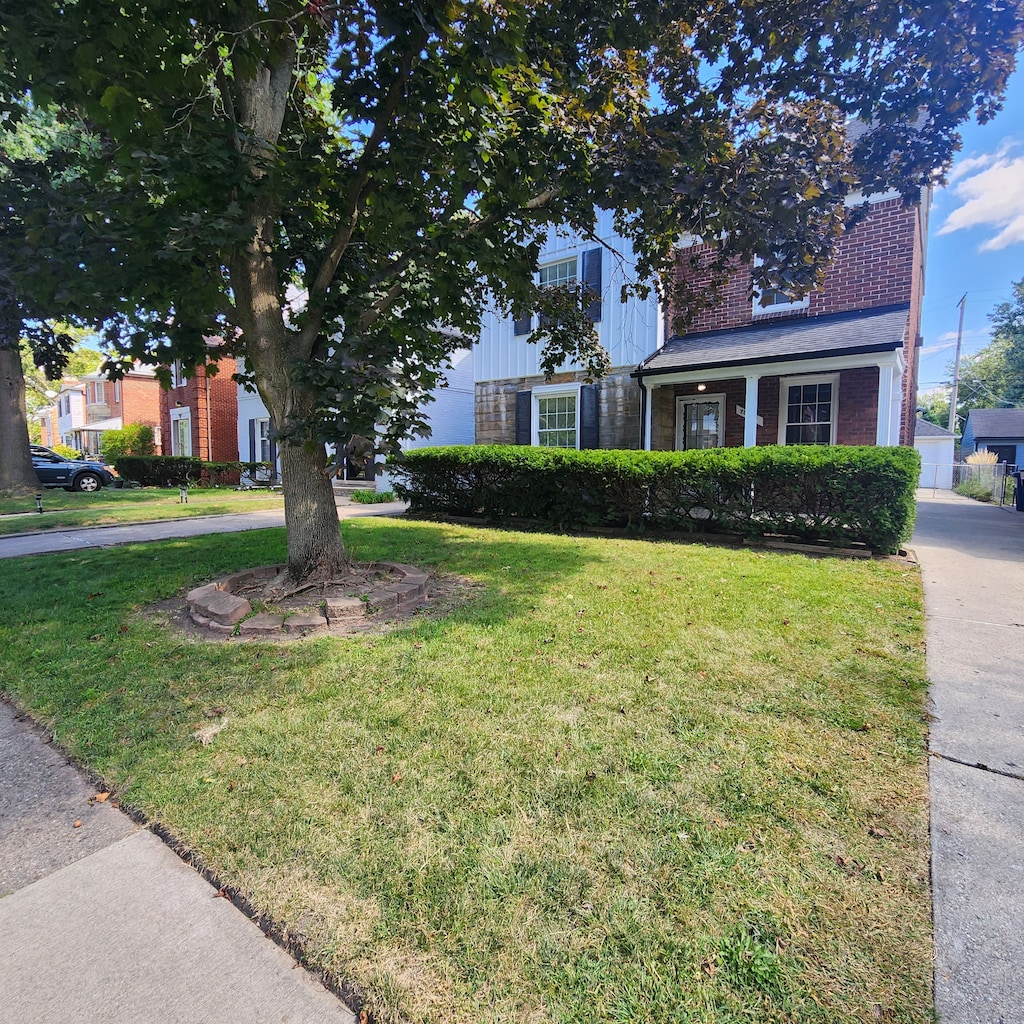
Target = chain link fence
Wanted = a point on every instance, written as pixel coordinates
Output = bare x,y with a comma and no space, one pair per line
985,482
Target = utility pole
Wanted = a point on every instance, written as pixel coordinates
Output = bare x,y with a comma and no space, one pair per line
956,366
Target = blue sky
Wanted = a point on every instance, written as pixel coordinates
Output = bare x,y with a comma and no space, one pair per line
976,238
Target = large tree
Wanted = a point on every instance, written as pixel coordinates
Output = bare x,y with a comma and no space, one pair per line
34,348
336,190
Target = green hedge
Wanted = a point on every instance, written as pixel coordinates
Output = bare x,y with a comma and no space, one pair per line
840,495
175,471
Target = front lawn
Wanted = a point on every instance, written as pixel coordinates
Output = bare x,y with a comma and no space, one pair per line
70,510
620,781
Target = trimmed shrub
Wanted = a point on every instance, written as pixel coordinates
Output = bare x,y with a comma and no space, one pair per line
160,470
840,495
132,439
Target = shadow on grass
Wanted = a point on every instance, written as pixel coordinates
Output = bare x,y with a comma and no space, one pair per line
72,635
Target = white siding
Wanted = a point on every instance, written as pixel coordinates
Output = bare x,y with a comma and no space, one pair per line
629,331
450,415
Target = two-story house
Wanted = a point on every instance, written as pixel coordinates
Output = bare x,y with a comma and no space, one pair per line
837,367
86,408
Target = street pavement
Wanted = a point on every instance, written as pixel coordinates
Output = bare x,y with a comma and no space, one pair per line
972,564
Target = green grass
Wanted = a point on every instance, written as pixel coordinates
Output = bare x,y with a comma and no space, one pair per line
68,510
368,497
620,781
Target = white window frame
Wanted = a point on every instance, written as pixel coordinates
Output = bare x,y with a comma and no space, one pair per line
785,383
559,282
177,374
177,415
684,400
789,305
544,391
117,391
262,438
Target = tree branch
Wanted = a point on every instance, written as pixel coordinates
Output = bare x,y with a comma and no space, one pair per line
358,190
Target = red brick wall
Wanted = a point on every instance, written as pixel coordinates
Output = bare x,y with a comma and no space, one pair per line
213,402
858,406
856,420
877,264
140,401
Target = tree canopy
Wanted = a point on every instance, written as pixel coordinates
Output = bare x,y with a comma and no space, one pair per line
337,190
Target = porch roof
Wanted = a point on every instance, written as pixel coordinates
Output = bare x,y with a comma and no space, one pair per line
860,331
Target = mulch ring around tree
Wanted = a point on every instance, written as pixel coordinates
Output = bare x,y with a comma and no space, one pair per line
266,603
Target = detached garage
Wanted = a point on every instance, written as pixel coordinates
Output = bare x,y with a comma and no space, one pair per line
936,447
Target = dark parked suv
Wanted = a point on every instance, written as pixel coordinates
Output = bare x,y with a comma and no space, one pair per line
54,470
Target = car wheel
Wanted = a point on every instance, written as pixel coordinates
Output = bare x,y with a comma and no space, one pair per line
88,482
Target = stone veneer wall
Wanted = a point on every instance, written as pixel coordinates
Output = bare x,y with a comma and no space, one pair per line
618,408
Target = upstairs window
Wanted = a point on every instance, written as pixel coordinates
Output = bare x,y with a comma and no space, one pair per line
776,300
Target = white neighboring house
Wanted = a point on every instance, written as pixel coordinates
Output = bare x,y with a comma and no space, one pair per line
450,417
515,404
936,447
254,441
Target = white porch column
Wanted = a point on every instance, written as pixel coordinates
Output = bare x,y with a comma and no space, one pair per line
648,417
885,386
750,420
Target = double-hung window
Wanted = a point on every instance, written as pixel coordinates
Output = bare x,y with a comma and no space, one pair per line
808,410
557,416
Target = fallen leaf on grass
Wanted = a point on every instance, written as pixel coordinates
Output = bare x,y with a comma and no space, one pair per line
878,833
101,797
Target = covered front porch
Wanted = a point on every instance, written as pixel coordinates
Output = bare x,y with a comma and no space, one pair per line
831,380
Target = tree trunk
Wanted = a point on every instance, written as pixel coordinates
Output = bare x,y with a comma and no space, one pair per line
16,473
311,515
315,548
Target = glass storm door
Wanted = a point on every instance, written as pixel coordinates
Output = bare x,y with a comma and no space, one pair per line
699,423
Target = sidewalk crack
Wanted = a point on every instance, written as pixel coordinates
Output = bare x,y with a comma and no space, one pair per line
979,765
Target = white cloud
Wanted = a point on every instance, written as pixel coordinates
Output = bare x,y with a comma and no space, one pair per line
934,350
990,189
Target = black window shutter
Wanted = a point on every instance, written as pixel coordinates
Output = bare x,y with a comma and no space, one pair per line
252,441
273,459
589,432
592,282
522,323
524,408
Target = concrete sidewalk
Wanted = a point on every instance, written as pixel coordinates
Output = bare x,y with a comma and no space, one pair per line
972,563
17,544
103,924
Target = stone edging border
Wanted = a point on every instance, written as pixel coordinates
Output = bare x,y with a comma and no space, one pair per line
216,607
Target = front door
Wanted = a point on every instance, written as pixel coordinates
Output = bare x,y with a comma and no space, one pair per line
700,422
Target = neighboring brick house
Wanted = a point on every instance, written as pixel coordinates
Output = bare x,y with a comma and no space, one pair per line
839,367
87,407
199,413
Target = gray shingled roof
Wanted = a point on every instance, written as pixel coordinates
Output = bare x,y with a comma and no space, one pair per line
925,428
1008,423
861,331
